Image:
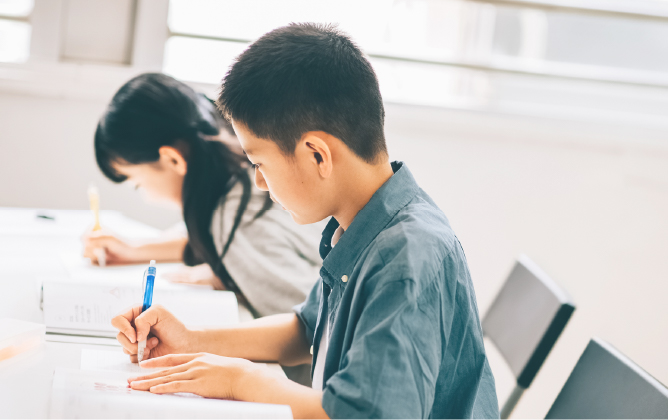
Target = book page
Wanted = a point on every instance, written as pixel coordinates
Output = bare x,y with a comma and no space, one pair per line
87,309
100,394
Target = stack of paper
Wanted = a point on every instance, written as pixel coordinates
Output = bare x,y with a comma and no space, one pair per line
77,308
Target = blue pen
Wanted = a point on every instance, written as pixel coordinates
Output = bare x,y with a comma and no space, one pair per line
148,280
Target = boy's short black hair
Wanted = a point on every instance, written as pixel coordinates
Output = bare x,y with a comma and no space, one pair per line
306,77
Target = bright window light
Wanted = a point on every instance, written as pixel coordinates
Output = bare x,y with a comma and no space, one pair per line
433,52
199,60
14,41
16,8
385,27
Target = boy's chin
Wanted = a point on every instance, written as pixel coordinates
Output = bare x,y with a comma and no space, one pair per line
302,220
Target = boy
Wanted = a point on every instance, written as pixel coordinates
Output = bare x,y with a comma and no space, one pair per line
392,323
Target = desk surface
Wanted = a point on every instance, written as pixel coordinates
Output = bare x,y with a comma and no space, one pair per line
30,249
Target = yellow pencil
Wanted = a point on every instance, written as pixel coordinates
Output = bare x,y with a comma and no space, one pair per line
94,200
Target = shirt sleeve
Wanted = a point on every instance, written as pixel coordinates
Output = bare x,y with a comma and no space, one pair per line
391,368
307,311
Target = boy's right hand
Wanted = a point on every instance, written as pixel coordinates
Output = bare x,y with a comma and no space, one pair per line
166,334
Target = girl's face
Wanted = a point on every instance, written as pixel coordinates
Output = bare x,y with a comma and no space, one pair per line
161,181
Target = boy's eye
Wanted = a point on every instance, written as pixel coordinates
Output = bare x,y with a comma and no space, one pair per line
255,165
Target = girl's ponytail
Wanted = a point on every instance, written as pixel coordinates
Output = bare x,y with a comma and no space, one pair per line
154,110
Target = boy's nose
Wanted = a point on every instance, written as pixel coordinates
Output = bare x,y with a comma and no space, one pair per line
259,180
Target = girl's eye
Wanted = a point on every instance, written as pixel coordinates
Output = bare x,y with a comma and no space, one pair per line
255,165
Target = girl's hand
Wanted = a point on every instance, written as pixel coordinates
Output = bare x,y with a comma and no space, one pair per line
117,251
203,374
197,275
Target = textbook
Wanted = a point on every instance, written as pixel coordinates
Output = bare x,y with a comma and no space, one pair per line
80,309
105,394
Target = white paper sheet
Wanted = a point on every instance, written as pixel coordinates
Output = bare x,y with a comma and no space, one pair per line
80,270
117,361
100,394
68,223
113,360
87,309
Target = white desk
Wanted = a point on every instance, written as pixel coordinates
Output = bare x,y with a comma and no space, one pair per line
30,248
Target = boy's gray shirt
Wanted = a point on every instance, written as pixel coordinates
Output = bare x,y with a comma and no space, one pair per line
405,335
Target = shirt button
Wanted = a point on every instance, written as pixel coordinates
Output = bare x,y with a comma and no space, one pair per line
311,350
344,278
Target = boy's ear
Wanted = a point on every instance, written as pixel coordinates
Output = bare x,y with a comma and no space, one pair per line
172,158
319,151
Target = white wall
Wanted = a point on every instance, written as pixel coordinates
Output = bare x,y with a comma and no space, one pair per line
587,202
46,158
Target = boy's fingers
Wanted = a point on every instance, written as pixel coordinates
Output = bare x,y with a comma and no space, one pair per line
145,320
122,323
127,345
159,374
169,360
172,387
145,385
152,343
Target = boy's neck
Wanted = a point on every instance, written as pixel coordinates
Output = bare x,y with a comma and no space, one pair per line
359,184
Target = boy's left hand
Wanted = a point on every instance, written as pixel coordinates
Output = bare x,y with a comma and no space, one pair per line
203,374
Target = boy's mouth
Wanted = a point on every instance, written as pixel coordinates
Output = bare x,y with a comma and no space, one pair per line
275,201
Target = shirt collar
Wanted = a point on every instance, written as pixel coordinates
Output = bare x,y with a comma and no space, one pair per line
385,203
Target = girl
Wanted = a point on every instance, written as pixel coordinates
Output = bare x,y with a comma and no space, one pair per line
171,142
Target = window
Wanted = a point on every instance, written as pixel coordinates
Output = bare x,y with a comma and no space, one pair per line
462,53
15,30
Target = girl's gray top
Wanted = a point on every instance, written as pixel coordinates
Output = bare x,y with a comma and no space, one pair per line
274,261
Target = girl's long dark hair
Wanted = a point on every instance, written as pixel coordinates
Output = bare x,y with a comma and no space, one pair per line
154,110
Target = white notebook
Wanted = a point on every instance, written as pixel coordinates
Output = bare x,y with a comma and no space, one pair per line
105,394
77,308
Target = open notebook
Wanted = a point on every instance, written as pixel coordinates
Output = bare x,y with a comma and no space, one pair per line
105,394
77,308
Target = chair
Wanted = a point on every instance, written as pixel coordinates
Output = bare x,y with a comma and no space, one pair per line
524,321
605,384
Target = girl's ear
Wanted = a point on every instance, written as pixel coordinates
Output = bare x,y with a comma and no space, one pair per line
172,158
318,151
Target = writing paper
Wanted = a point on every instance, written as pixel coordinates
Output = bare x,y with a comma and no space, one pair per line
113,360
99,394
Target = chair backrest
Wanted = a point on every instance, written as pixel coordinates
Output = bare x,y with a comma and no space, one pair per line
526,319
605,384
